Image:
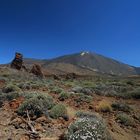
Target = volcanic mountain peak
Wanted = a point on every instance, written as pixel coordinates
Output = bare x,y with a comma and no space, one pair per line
84,53
85,62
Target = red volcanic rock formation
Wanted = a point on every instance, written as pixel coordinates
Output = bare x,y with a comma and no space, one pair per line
36,70
17,63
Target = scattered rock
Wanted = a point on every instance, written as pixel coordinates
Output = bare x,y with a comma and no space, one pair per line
1,103
91,107
71,76
56,77
43,119
18,123
66,117
36,70
9,138
16,103
25,137
38,127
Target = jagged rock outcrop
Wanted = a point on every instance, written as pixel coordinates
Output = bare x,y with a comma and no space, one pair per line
36,70
17,63
71,76
56,77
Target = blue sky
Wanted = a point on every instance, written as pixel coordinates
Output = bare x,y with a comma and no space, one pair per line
51,28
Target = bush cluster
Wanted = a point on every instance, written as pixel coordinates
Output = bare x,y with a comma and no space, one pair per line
87,128
121,107
11,88
82,98
125,119
63,96
57,90
57,111
36,105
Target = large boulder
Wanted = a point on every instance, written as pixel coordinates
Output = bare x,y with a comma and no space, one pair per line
17,63
36,70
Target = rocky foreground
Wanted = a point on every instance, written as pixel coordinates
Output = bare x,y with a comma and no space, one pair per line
100,108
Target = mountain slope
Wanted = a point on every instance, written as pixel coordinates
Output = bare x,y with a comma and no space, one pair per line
64,68
30,61
93,62
137,70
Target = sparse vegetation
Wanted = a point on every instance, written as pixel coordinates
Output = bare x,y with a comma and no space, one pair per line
82,114
9,96
135,93
32,85
63,96
37,105
58,110
57,90
12,95
130,83
125,119
11,88
117,90
81,98
121,107
42,99
87,128
104,106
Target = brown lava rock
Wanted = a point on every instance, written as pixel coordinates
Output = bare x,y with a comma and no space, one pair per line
17,62
36,70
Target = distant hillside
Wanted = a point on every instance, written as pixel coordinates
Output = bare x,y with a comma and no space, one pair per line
85,63
29,61
137,70
95,63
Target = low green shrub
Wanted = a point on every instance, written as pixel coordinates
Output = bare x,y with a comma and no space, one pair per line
63,96
89,84
57,111
12,95
29,95
57,90
11,88
37,105
81,98
136,93
9,96
132,94
82,114
125,119
24,86
114,90
121,107
32,85
130,83
2,96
